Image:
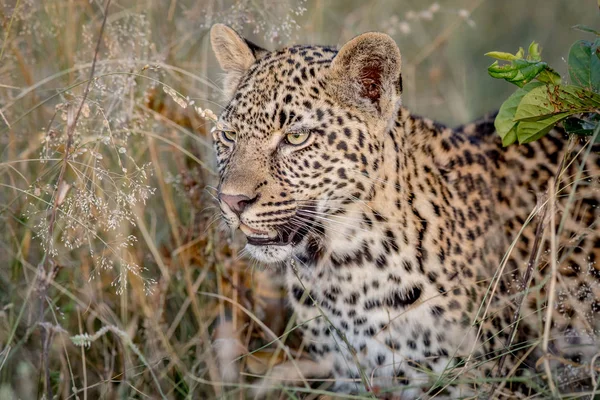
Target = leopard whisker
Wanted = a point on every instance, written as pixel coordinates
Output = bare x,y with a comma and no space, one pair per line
212,195
387,218
324,218
214,219
325,214
322,225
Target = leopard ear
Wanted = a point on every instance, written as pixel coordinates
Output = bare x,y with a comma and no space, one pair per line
234,54
366,73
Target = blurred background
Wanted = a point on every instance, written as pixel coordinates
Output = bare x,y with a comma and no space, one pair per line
116,277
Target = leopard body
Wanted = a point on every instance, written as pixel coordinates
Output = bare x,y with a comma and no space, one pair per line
405,243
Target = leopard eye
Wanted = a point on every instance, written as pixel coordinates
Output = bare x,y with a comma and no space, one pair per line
229,136
297,138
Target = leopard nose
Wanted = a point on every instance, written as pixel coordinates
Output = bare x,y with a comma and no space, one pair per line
237,202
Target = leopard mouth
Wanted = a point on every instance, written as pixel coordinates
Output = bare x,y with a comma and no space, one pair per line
286,235
260,241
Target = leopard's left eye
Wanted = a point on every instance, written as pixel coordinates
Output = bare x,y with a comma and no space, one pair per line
297,138
229,136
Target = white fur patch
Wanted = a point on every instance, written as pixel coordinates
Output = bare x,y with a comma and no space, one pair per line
270,254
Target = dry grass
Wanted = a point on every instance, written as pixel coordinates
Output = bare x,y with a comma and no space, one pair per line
115,279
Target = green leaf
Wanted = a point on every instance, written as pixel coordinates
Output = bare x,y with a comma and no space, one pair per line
518,72
534,51
584,28
545,106
549,76
536,104
521,70
530,131
548,100
500,55
578,99
505,120
510,137
596,48
520,53
584,65
579,126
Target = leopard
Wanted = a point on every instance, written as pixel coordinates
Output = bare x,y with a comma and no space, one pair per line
415,255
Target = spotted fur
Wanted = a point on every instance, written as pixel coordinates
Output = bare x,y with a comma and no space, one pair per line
392,228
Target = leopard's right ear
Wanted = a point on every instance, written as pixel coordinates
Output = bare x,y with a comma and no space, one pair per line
366,74
234,53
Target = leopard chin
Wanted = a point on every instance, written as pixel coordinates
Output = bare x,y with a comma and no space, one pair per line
270,254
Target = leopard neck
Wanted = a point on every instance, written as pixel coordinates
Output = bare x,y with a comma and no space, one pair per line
391,215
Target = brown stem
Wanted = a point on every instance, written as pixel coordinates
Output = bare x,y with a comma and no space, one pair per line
46,340
539,234
46,278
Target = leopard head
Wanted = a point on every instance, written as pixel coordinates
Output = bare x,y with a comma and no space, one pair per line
301,136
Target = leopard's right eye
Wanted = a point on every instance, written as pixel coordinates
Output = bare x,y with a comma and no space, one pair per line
228,136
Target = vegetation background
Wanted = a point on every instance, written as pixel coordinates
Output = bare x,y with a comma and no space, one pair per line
116,280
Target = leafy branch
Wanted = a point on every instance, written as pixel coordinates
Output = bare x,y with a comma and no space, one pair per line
543,100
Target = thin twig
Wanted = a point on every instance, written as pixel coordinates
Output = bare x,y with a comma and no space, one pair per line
441,38
530,265
593,374
12,18
46,278
5,120
551,290
539,234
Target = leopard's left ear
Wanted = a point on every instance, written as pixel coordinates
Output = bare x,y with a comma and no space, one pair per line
366,73
234,53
